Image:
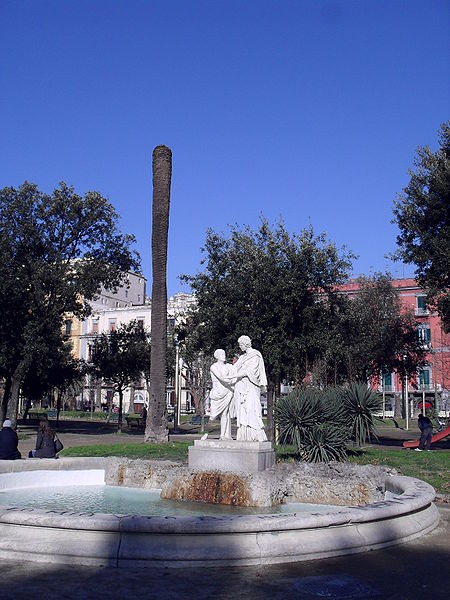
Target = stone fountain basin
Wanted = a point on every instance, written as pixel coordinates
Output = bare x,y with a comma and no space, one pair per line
403,511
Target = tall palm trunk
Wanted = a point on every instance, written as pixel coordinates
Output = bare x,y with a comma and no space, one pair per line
156,427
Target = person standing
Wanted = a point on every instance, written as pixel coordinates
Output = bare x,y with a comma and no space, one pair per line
9,442
426,428
143,416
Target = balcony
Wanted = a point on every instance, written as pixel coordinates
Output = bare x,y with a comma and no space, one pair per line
421,312
425,345
428,387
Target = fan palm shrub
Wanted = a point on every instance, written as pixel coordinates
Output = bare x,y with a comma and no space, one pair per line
296,414
360,403
314,422
325,442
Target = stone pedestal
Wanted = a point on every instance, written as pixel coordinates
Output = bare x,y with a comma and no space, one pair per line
231,455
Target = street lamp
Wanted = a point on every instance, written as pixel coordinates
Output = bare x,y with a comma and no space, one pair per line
406,392
177,376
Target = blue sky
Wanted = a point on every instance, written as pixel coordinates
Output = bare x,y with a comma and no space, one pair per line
307,110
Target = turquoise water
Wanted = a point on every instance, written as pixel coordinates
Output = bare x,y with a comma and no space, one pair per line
122,500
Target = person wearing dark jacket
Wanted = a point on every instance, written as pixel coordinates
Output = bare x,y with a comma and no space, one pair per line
426,428
45,443
8,442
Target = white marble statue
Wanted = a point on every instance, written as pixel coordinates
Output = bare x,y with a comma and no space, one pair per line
221,395
250,376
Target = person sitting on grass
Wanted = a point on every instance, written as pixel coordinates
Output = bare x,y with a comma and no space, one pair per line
45,442
9,442
426,428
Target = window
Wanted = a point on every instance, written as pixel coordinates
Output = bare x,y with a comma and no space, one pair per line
140,323
421,307
68,325
421,302
138,297
388,382
126,293
387,379
425,378
95,327
112,325
424,335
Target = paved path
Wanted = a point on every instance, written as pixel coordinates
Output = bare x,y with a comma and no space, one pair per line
418,570
89,433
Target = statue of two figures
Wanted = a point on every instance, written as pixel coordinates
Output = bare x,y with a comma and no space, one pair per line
236,391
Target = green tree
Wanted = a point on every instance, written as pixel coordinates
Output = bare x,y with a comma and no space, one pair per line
381,334
422,213
156,428
57,251
54,371
265,284
360,337
330,340
197,366
120,358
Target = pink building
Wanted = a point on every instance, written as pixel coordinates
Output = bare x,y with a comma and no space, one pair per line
432,383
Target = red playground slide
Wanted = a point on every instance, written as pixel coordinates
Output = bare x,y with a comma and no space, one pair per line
436,437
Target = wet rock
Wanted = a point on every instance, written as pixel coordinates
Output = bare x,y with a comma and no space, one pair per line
334,483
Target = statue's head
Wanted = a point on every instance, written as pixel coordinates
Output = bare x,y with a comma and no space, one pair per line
220,355
244,342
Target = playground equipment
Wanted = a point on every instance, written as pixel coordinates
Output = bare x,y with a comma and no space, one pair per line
436,437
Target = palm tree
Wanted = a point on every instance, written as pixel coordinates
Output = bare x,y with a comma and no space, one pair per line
156,429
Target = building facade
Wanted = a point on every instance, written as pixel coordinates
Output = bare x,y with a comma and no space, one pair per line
431,385
110,311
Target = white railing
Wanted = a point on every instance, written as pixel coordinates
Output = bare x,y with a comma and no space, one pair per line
428,387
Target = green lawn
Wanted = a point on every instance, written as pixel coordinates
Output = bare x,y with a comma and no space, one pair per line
176,451
432,467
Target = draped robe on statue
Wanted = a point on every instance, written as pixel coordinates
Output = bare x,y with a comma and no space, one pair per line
221,397
247,396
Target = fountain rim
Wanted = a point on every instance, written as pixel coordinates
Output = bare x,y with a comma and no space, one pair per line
411,495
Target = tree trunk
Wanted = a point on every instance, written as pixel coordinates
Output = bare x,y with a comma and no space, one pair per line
119,421
398,410
13,404
156,429
5,399
270,406
58,405
131,404
26,409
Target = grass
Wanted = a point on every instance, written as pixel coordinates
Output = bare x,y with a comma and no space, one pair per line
36,413
431,467
176,451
